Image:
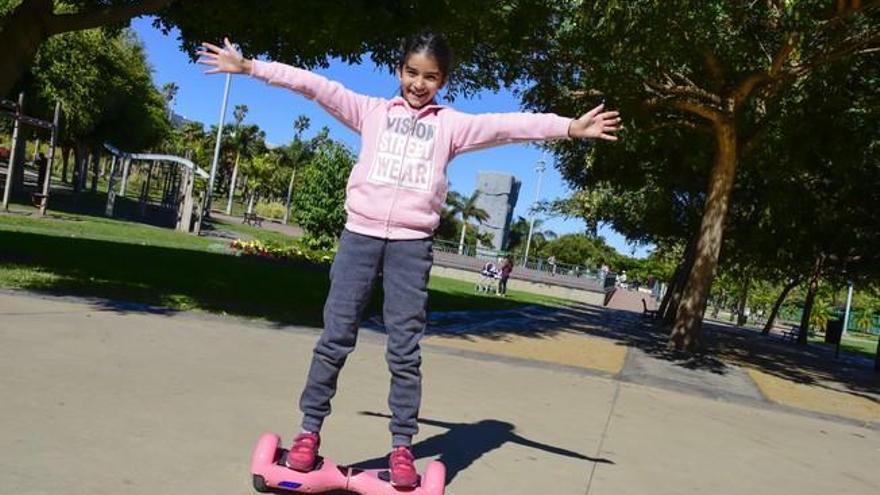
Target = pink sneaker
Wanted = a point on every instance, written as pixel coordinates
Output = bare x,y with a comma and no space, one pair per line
303,452
403,472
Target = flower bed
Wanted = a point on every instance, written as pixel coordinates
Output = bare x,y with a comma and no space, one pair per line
285,252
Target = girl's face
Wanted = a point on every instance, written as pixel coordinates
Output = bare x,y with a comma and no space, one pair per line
420,79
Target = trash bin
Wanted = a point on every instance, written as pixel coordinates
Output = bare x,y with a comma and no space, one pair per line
833,331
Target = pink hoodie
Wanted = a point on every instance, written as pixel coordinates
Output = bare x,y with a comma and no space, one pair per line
398,185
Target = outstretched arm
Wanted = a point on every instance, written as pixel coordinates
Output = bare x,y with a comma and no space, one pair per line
556,450
473,132
346,105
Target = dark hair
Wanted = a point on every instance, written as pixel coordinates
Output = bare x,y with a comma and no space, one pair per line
430,43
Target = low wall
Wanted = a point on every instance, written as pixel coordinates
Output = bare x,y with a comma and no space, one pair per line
571,293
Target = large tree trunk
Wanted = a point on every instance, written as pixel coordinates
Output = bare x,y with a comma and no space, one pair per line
688,322
771,319
23,30
816,274
669,305
21,33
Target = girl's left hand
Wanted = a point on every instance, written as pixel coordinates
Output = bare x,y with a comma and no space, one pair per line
595,124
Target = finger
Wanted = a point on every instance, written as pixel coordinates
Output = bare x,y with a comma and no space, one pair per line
609,128
229,45
212,47
607,137
213,71
592,113
608,115
207,56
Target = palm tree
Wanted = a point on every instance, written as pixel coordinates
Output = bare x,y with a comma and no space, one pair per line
299,126
467,209
238,115
169,92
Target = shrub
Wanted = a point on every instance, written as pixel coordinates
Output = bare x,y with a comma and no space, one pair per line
270,210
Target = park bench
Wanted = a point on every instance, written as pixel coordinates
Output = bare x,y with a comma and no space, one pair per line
252,219
789,334
648,313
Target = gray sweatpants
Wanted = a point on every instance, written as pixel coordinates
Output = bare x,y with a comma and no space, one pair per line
405,266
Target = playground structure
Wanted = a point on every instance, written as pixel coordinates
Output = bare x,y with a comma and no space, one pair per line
15,110
177,176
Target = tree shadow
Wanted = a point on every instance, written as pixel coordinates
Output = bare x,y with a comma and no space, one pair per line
725,347
464,443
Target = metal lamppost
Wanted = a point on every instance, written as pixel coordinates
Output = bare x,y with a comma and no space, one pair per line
217,144
849,295
539,168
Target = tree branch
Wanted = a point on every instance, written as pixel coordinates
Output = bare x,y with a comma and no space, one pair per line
62,23
716,70
711,114
745,89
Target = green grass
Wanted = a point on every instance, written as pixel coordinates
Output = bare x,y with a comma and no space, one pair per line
858,343
92,256
249,232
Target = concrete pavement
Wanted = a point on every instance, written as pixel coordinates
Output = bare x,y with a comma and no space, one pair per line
101,398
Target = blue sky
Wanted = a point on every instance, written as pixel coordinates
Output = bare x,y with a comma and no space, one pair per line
275,109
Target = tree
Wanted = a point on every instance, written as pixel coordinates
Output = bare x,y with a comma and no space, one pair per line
26,24
467,209
308,33
319,199
169,92
299,126
106,93
238,116
579,249
714,70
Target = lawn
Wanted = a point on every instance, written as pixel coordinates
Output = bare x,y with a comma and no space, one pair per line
856,342
94,256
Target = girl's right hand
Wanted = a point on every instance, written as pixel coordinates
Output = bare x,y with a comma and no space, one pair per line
226,59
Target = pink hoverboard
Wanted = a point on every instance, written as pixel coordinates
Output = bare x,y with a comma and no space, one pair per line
270,474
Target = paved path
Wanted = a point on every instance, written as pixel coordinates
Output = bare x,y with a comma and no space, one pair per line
106,398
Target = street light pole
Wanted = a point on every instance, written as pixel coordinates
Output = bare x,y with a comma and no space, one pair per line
217,144
846,312
540,169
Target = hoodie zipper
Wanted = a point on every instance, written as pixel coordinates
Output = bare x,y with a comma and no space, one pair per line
415,120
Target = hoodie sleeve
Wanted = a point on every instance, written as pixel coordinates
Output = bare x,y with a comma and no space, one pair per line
348,107
473,132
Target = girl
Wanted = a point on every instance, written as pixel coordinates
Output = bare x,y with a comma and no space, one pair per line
393,199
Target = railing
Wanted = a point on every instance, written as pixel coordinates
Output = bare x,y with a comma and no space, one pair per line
536,264
446,253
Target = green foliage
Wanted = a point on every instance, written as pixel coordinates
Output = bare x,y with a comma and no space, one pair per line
105,88
270,210
864,320
579,249
319,198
